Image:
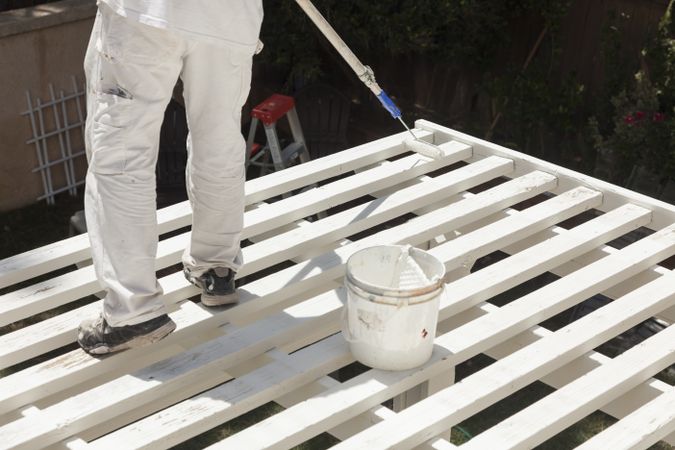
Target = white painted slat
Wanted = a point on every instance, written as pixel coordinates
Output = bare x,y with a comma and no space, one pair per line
664,213
43,259
69,251
317,271
347,429
159,403
553,205
73,285
575,196
114,398
471,245
639,430
237,397
574,264
535,260
25,343
224,402
324,197
581,233
362,217
621,407
612,292
297,422
567,405
510,192
187,421
56,292
328,166
514,191
266,375
574,370
76,367
504,377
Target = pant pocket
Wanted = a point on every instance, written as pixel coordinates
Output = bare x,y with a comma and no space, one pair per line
109,153
128,40
110,108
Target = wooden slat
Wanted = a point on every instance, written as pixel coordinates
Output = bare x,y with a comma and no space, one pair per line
58,291
623,406
548,254
574,264
329,166
589,361
664,213
278,338
69,251
553,205
571,403
362,217
43,259
116,397
355,425
298,423
184,419
333,194
434,414
32,340
184,413
638,430
23,387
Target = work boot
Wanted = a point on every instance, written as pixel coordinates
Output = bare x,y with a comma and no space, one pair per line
217,286
98,338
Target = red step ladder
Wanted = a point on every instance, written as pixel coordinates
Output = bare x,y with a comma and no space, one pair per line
269,112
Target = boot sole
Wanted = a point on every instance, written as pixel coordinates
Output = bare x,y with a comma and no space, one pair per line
220,300
139,341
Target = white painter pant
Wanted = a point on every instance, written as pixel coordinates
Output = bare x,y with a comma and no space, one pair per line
131,70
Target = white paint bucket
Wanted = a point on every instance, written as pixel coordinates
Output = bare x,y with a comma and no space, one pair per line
393,293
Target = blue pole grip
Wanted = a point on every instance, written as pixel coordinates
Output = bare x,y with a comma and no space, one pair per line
389,105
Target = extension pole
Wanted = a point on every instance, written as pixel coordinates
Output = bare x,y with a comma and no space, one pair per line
364,72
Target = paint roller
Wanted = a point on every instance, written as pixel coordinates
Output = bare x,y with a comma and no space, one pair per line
367,76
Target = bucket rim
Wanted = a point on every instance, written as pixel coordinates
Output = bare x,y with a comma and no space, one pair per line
386,291
395,298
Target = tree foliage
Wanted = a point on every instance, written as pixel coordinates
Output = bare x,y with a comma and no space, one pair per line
470,31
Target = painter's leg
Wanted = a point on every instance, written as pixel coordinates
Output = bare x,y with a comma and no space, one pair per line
131,70
216,81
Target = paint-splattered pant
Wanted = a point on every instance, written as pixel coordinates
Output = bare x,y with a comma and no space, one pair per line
131,70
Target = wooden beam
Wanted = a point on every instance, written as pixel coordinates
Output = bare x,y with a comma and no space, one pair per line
58,331
562,408
69,251
640,429
326,267
506,376
297,424
614,196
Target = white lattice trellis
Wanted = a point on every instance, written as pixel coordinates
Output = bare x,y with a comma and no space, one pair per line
54,124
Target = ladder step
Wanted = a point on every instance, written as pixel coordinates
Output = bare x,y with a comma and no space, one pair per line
273,108
292,151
